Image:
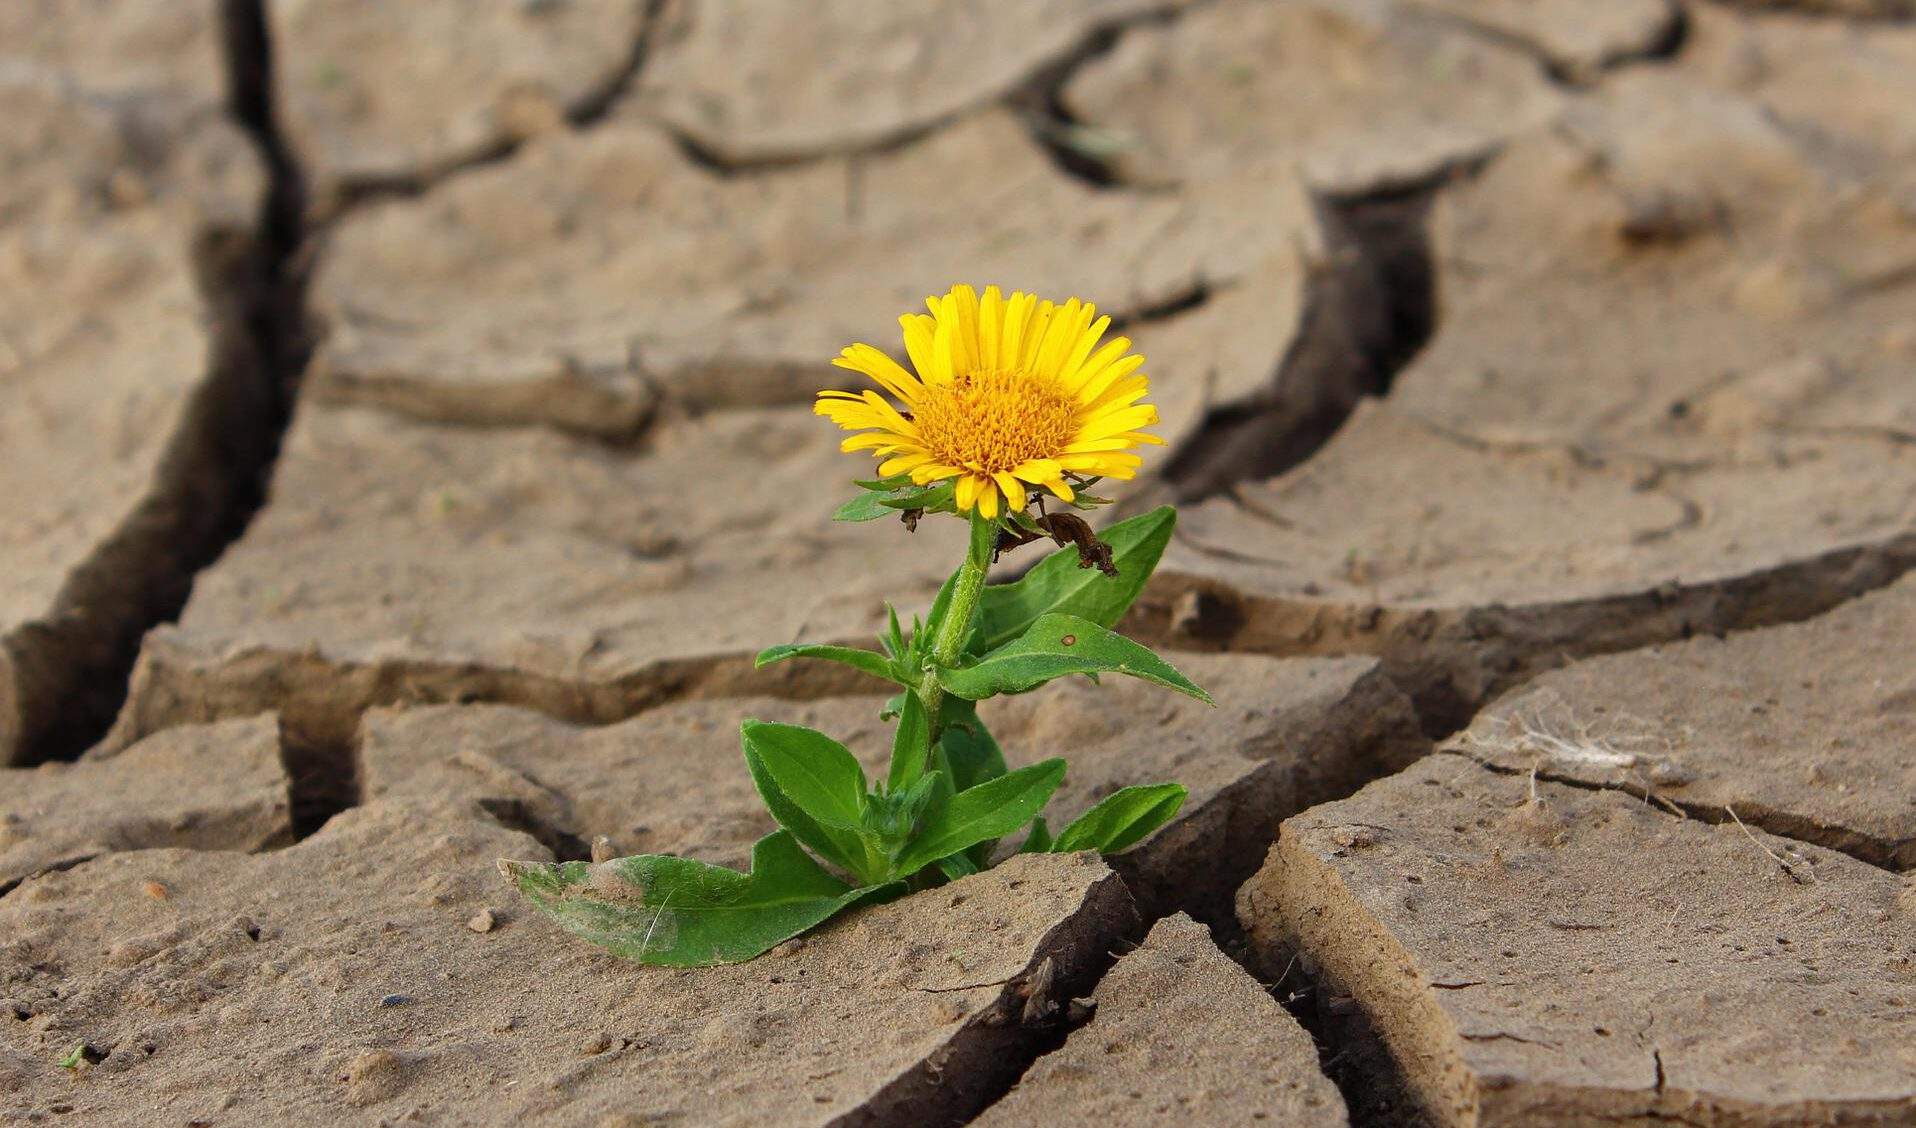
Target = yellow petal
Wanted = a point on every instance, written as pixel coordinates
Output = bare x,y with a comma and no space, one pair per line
902,463
889,414
1093,466
851,416
918,334
964,309
1059,487
1117,370
1035,334
991,327
967,493
941,353
1038,471
881,368
934,472
1017,317
1087,341
1059,336
1100,464
1096,366
1014,491
1118,422
872,439
1090,446
987,498
1121,394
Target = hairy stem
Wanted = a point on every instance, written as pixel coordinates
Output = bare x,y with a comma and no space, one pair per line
948,645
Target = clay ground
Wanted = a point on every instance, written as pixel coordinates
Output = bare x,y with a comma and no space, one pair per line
405,441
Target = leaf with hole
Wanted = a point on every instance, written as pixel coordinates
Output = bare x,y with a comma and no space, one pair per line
1058,585
1057,645
659,909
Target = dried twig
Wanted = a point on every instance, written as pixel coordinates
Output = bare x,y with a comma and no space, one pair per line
1774,856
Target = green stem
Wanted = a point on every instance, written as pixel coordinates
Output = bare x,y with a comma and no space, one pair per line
948,645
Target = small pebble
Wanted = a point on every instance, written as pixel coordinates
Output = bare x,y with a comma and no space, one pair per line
482,921
596,1044
155,890
395,1000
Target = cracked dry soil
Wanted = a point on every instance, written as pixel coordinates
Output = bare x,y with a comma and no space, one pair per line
1540,387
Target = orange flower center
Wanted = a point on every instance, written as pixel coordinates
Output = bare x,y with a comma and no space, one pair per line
995,421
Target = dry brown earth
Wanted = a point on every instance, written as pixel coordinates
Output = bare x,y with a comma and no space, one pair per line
1805,730
596,275
1633,285
749,85
1356,95
377,95
1470,565
196,787
126,201
1668,391
1181,1035
1284,735
1576,41
400,561
344,981
1576,956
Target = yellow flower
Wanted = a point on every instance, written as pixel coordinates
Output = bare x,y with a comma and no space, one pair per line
1010,393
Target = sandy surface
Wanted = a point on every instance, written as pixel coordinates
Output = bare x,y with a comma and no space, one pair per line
405,444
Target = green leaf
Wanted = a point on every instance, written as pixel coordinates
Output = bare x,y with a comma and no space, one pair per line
886,497
814,787
940,604
971,754
1057,584
931,498
1122,819
1057,645
866,661
1039,840
893,816
893,640
955,866
883,485
990,810
659,909
911,744
864,507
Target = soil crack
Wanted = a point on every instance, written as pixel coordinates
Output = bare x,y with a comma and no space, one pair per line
211,478
1369,307
586,113
1791,828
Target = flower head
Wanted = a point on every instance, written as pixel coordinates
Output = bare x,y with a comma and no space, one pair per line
1010,393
